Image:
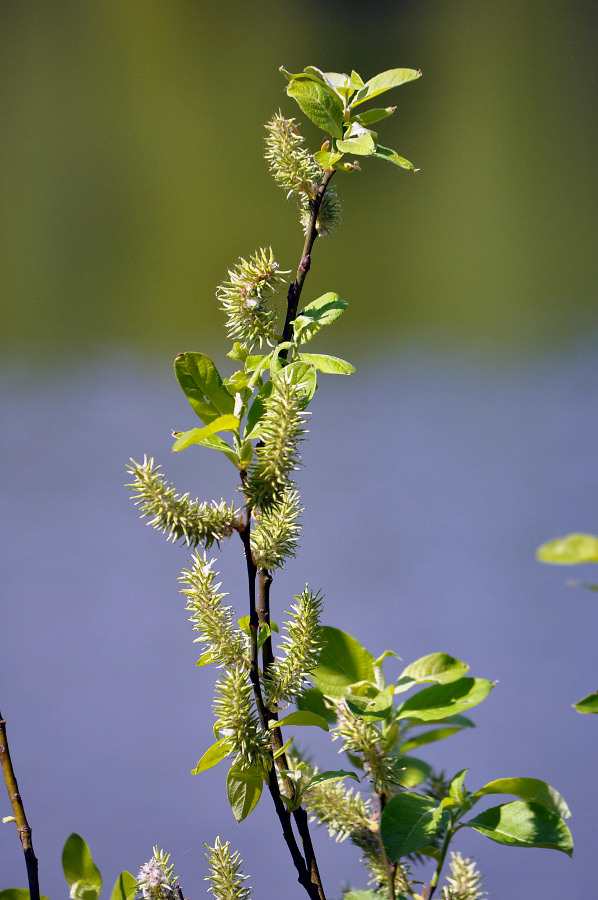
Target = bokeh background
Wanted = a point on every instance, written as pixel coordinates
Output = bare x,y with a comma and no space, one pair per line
132,179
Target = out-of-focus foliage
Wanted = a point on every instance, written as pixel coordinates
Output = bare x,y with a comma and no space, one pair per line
130,156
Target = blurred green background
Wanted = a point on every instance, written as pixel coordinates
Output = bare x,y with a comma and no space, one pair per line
133,175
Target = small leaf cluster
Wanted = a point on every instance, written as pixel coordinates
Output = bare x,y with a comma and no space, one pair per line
378,735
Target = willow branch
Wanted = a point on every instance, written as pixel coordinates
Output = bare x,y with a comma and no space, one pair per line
296,286
391,868
19,813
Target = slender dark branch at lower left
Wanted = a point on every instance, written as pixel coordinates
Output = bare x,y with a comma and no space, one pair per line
19,813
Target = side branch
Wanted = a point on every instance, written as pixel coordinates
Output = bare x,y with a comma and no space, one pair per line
19,813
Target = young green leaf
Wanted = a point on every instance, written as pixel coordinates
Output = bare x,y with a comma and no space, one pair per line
429,737
436,667
323,311
410,771
198,435
330,365
313,701
410,822
384,82
216,443
392,157
442,700
457,791
370,116
203,386
82,874
589,704
213,755
319,102
342,662
327,159
244,788
528,789
358,140
520,824
329,777
303,717
125,887
569,550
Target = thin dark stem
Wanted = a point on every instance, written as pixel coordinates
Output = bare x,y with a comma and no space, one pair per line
304,871
391,868
311,234
19,813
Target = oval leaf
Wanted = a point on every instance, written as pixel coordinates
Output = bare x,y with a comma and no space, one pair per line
569,550
213,755
243,789
198,435
18,894
528,789
80,871
336,775
392,157
319,103
330,365
358,140
373,709
302,718
342,662
409,822
438,667
384,82
203,386
410,771
313,700
323,311
442,700
589,704
520,824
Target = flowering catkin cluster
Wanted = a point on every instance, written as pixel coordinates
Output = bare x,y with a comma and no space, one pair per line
281,430
213,621
298,173
301,646
244,298
465,880
359,736
175,514
237,720
226,876
276,531
155,880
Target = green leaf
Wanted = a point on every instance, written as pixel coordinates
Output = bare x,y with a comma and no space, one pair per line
437,667
429,737
17,894
410,771
392,157
283,749
244,788
531,789
319,102
589,704
198,435
203,386
216,443
410,822
358,140
521,824
373,709
125,887
362,895
342,662
302,718
82,874
213,755
373,115
384,82
569,550
323,311
442,700
313,700
457,790
330,365
327,159
303,375
329,776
